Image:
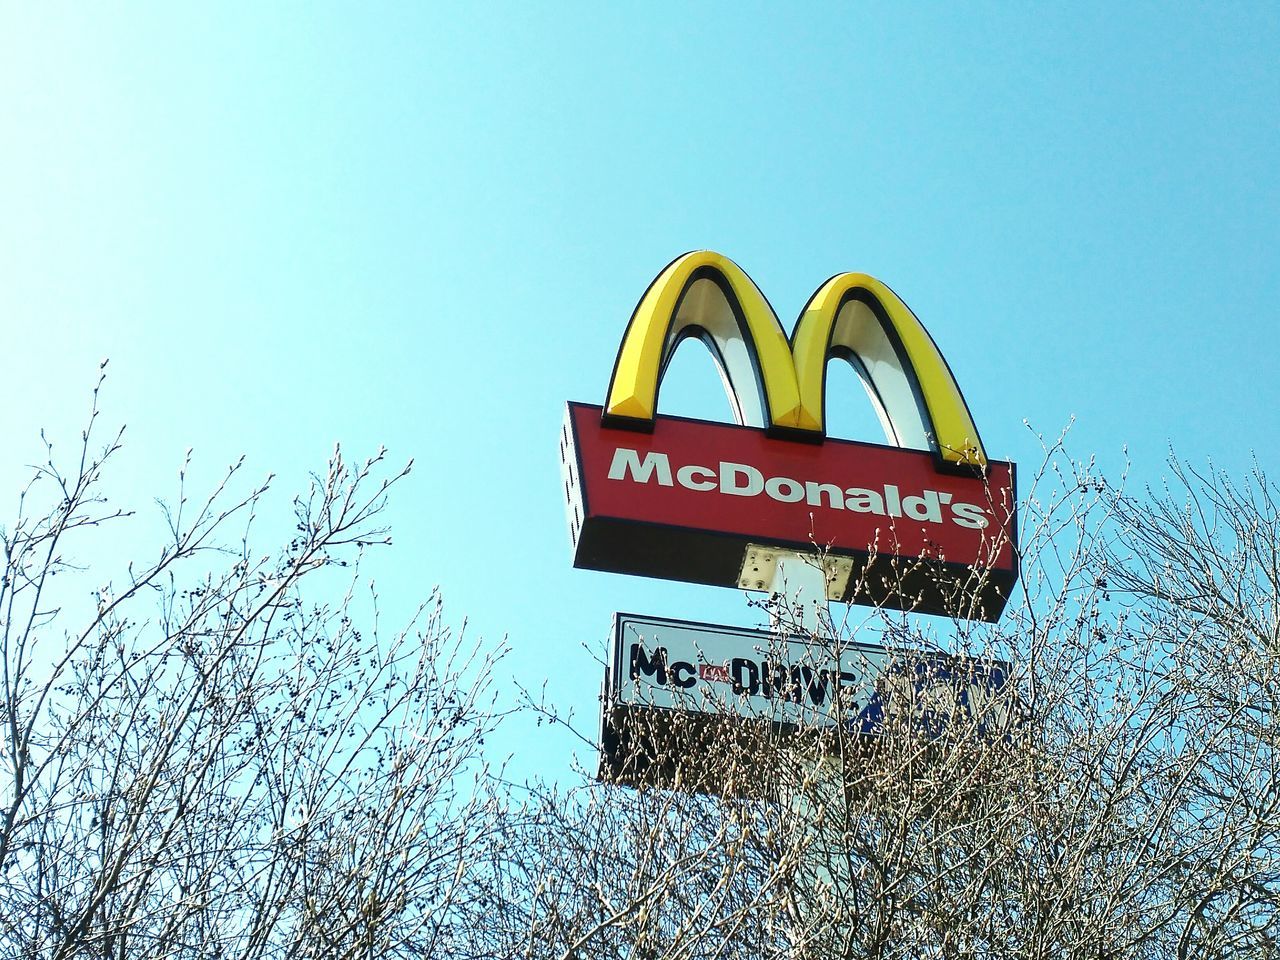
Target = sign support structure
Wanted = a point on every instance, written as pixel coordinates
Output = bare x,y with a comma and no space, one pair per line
799,592
925,523
799,600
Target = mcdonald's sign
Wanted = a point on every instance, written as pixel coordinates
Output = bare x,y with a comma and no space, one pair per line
925,522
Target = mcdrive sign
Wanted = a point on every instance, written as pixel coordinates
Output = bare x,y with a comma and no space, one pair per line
927,521
793,680
661,668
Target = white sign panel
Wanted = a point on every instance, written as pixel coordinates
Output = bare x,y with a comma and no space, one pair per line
793,681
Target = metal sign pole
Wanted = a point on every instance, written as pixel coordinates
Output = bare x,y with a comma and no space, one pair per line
799,591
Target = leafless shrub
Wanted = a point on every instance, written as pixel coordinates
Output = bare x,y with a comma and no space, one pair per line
1118,800
202,763
207,764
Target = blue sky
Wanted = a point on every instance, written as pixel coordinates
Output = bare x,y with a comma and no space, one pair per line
425,226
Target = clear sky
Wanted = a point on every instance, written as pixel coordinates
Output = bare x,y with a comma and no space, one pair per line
425,226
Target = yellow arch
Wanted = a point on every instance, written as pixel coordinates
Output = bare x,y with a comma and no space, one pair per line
662,317
827,324
851,313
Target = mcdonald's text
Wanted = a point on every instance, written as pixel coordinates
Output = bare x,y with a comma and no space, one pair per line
743,480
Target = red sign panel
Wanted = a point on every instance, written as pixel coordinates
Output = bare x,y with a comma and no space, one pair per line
684,501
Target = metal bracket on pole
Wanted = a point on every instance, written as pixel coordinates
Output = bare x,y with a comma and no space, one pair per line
800,583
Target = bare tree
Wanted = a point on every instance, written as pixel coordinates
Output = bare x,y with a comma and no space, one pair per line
200,761
1120,799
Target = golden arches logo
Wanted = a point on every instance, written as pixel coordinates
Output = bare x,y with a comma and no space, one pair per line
780,384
